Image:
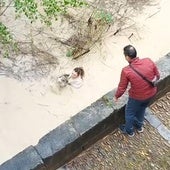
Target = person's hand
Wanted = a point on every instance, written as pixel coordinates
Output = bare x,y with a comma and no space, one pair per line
115,99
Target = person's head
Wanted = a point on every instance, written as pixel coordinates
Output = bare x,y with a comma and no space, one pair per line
78,71
129,52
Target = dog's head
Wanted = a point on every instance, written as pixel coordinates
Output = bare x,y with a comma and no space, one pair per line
62,80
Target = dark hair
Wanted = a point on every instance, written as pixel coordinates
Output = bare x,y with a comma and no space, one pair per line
79,71
130,51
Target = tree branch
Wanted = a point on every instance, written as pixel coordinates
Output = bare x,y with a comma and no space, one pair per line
6,8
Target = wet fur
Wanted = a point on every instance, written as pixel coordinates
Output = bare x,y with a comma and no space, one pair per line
63,80
57,84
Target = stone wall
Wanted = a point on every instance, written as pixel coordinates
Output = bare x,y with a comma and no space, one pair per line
81,131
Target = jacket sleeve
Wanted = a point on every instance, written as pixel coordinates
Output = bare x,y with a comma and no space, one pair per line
122,84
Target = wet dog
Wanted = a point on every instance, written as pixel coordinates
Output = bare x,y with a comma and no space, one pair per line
63,80
59,83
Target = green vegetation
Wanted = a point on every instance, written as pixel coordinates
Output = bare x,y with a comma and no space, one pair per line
45,10
104,16
6,40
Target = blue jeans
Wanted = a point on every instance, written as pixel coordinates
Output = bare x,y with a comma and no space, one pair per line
134,114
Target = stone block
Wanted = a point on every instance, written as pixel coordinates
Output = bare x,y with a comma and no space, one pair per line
164,132
26,160
56,146
87,119
153,120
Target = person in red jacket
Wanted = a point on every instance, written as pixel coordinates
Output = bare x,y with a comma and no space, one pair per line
140,92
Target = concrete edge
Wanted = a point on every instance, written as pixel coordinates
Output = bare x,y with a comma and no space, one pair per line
27,159
157,124
85,128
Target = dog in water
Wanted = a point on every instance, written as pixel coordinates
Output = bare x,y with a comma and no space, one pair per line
57,84
63,80
75,79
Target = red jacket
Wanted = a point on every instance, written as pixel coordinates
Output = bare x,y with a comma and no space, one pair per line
139,88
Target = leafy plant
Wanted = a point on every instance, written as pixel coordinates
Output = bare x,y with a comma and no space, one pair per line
70,52
45,10
107,101
5,36
6,40
28,7
104,16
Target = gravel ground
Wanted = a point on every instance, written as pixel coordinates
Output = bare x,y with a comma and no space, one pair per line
145,151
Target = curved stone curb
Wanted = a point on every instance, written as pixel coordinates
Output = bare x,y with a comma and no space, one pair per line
75,135
156,123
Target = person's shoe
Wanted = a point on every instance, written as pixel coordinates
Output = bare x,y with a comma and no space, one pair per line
123,130
131,134
140,130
